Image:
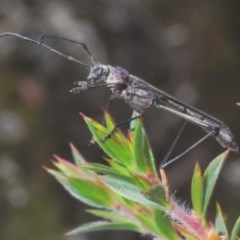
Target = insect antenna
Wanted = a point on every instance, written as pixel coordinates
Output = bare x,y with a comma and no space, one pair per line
82,44
85,47
67,57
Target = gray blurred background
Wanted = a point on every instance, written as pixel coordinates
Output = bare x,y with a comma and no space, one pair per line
188,48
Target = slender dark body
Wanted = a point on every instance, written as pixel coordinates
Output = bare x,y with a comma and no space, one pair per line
140,95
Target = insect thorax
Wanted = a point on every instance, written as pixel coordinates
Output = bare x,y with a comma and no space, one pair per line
117,79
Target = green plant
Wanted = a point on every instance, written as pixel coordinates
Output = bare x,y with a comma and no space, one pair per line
129,194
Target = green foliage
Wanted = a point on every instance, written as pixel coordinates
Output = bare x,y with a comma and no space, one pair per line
197,190
104,225
235,230
220,223
202,186
210,177
128,193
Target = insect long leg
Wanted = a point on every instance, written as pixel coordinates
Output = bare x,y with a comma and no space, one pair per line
118,125
166,157
208,123
110,99
165,164
67,57
82,44
109,102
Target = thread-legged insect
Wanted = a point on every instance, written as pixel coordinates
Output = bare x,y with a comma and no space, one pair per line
140,95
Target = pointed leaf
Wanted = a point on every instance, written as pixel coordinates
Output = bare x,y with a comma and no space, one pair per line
86,192
70,170
220,223
104,225
128,190
100,168
186,233
164,225
123,170
114,216
157,194
210,177
91,192
235,230
77,157
139,151
150,160
146,220
110,123
142,150
197,190
114,145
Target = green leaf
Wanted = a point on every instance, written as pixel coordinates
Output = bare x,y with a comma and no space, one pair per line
139,151
114,216
128,190
91,192
210,177
164,225
123,170
104,225
110,123
88,193
235,230
142,150
147,220
220,223
114,145
197,190
100,168
77,157
157,194
70,170
157,223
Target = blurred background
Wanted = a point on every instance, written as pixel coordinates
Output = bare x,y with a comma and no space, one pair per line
189,49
